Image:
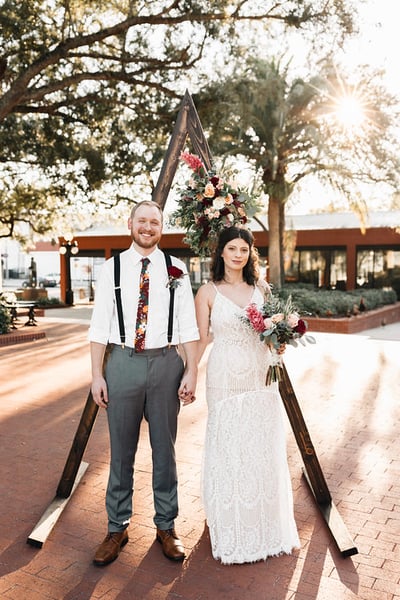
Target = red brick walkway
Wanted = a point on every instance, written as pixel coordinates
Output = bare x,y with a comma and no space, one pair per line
349,390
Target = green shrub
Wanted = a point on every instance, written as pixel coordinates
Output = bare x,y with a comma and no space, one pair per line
45,302
5,319
335,303
5,313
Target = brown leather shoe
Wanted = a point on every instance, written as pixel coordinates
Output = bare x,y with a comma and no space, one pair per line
171,544
110,547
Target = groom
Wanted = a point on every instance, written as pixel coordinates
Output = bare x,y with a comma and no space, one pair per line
146,378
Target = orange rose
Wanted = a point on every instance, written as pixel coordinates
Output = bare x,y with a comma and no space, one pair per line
209,191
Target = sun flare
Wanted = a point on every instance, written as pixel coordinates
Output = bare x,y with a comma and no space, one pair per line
350,112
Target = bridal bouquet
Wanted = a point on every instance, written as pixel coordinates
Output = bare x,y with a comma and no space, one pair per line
277,323
208,202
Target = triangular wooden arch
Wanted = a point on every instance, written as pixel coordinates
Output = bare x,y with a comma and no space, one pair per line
188,124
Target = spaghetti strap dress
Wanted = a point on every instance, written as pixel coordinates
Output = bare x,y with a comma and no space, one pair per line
246,485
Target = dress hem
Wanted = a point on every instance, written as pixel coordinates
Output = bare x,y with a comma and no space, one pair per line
264,557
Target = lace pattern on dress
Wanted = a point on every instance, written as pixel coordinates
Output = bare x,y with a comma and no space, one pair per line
246,485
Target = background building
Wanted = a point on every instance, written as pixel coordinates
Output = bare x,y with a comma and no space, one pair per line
326,250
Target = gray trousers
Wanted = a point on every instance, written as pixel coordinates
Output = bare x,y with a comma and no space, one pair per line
141,386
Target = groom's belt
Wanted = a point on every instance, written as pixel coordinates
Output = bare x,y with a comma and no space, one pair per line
146,352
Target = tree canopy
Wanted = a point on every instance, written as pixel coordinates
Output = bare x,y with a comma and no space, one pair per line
293,128
88,89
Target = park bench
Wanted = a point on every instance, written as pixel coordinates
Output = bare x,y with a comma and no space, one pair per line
21,308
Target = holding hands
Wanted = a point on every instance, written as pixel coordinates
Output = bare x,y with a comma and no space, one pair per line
186,392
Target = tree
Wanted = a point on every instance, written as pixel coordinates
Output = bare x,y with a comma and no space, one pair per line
87,90
288,128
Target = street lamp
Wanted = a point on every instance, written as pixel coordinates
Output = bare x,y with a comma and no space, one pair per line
69,248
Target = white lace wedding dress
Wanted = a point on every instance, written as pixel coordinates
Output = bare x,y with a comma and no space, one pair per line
246,487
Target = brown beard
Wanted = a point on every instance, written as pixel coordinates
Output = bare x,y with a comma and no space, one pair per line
152,243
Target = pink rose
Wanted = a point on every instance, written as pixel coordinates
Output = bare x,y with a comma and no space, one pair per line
278,317
268,323
292,320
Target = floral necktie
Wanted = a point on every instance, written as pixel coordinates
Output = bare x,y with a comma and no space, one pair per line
143,305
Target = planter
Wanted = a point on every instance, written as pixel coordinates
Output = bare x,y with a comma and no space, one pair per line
31,294
356,323
21,335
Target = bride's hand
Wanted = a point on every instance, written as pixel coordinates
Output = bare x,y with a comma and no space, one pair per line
280,350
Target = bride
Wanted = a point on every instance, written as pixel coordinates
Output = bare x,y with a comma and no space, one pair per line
246,486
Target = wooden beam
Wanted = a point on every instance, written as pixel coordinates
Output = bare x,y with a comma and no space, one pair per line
171,159
43,528
187,123
196,134
334,521
303,439
78,447
313,472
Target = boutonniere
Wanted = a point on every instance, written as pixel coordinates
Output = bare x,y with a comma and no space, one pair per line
174,277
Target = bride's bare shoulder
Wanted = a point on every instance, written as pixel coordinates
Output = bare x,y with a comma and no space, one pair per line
206,290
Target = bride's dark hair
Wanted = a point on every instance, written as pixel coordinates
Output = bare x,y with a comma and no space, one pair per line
251,270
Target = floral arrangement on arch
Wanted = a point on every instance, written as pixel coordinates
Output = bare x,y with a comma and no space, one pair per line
207,203
277,323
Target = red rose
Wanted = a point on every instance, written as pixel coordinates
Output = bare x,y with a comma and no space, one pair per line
301,327
174,272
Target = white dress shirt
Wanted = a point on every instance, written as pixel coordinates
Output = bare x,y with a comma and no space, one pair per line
104,326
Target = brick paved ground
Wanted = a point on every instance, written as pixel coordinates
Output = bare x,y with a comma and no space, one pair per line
349,389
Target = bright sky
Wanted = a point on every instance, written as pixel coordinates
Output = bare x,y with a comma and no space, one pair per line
376,45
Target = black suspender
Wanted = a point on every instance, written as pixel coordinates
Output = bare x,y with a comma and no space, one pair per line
171,301
117,289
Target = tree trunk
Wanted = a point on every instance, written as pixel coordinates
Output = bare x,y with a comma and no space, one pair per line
274,249
281,240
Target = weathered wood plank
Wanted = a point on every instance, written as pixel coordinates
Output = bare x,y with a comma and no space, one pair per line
44,526
312,471
187,123
336,525
303,439
171,159
78,447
